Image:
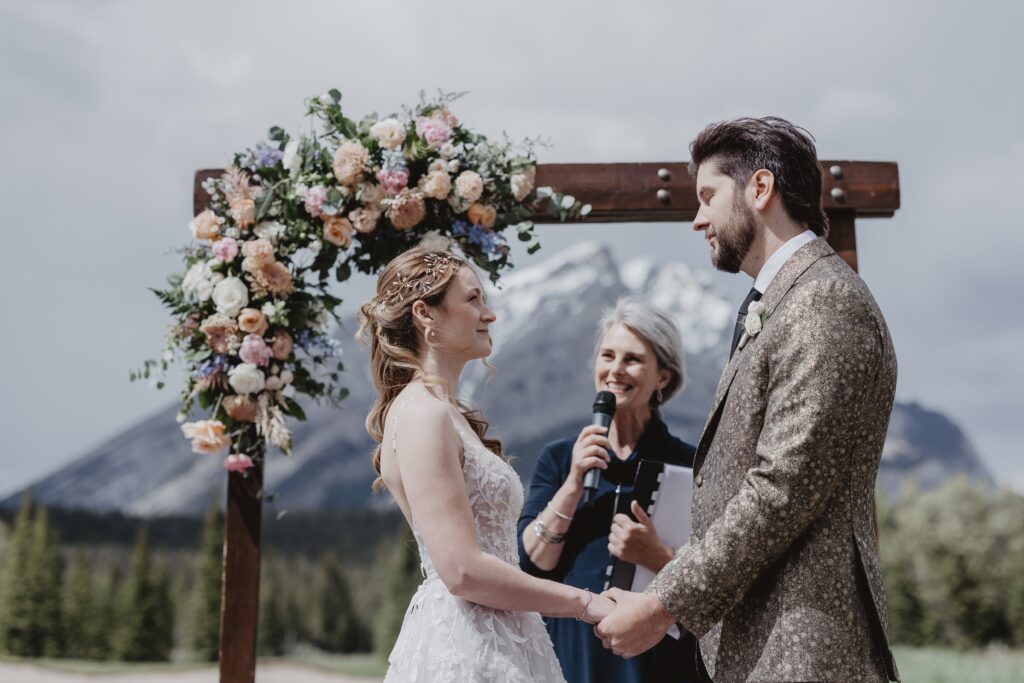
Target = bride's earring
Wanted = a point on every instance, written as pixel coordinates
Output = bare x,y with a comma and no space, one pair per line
431,333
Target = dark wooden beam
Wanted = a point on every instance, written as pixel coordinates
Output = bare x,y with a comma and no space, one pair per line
240,592
627,193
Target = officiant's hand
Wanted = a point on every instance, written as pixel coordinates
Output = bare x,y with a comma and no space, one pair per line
589,451
637,542
638,623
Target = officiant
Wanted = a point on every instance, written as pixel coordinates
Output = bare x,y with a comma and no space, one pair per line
639,359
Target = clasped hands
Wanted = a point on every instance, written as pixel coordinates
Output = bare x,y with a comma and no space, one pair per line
635,623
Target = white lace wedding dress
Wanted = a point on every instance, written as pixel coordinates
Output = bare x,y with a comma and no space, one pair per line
446,639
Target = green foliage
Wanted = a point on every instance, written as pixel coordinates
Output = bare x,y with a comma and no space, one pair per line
341,629
205,607
401,577
952,560
146,619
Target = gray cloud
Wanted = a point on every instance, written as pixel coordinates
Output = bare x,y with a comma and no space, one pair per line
109,107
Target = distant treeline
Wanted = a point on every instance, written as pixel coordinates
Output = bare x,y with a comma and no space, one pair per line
351,534
72,587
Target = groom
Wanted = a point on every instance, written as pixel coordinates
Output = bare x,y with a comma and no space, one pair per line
781,578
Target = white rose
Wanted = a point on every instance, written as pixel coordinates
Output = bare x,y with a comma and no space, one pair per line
269,230
447,150
390,133
453,166
230,296
195,276
246,379
291,159
753,323
204,290
287,377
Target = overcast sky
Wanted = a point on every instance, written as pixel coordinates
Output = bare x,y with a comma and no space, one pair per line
108,107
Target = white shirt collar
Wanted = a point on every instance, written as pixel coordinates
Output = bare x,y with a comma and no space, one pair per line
775,262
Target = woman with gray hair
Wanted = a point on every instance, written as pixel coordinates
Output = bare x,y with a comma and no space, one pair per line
639,359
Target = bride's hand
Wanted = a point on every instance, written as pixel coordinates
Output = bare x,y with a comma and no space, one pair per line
598,609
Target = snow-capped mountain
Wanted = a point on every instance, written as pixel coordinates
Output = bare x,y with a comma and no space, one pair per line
542,390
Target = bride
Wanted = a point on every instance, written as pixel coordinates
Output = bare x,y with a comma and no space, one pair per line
474,617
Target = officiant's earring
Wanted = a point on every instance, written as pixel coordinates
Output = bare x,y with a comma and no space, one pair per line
661,399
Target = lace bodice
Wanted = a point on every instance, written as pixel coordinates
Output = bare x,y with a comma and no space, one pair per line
445,638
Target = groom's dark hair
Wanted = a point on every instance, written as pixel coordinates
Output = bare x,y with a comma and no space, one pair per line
743,146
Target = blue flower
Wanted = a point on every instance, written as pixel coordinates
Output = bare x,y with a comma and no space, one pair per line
460,228
265,156
210,366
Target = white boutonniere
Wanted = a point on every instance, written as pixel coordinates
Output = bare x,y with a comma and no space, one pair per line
757,315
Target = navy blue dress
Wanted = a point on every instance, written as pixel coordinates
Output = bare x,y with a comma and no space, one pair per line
585,559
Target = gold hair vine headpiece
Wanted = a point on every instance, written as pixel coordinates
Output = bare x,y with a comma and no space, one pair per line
435,267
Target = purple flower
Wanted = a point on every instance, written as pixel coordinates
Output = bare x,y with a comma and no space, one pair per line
210,366
265,156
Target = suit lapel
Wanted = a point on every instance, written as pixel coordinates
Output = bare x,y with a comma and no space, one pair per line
795,266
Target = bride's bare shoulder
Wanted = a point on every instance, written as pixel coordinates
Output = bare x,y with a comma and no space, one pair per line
418,411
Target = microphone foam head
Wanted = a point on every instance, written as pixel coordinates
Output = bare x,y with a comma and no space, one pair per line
605,403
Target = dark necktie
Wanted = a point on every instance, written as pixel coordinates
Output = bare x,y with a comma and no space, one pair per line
738,332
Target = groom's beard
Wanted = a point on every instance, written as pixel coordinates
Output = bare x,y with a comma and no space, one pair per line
735,237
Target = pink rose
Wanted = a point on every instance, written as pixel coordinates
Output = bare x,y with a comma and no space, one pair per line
237,463
435,131
207,436
315,199
226,249
393,180
254,350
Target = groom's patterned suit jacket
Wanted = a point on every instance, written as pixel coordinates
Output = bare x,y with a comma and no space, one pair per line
781,578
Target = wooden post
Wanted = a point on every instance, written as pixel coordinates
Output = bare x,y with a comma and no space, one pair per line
240,593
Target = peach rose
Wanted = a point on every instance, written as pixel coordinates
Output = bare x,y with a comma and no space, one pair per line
207,436
479,214
436,184
241,408
350,162
364,220
206,226
406,210
338,231
469,185
257,253
252,320
281,347
243,211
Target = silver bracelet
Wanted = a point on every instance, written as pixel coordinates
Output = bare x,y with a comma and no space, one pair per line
541,532
590,598
556,513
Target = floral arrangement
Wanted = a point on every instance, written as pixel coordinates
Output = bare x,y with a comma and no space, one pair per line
252,311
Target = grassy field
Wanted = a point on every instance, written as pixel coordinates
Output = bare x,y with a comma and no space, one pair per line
917,665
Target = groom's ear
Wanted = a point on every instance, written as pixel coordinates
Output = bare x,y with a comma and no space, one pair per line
763,183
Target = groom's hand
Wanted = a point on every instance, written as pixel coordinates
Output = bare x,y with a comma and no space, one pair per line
638,623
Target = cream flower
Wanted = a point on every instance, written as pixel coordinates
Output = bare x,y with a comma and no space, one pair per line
469,185
338,231
436,184
246,378
523,182
364,220
230,296
390,133
257,253
350,162
207,436
206,226
754,322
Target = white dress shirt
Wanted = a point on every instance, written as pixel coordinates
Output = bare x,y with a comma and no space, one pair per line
775,262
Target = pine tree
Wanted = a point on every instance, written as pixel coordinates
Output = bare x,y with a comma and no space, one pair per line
272,631
341,630
163,616
80,612
46,586
401,577
205,619
140,638
16,611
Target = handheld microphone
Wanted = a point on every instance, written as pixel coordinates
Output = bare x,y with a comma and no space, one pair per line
604,410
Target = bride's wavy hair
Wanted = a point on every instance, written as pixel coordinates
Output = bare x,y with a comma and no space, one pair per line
387,326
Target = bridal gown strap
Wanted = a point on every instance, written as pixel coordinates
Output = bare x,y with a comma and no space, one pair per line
448,639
